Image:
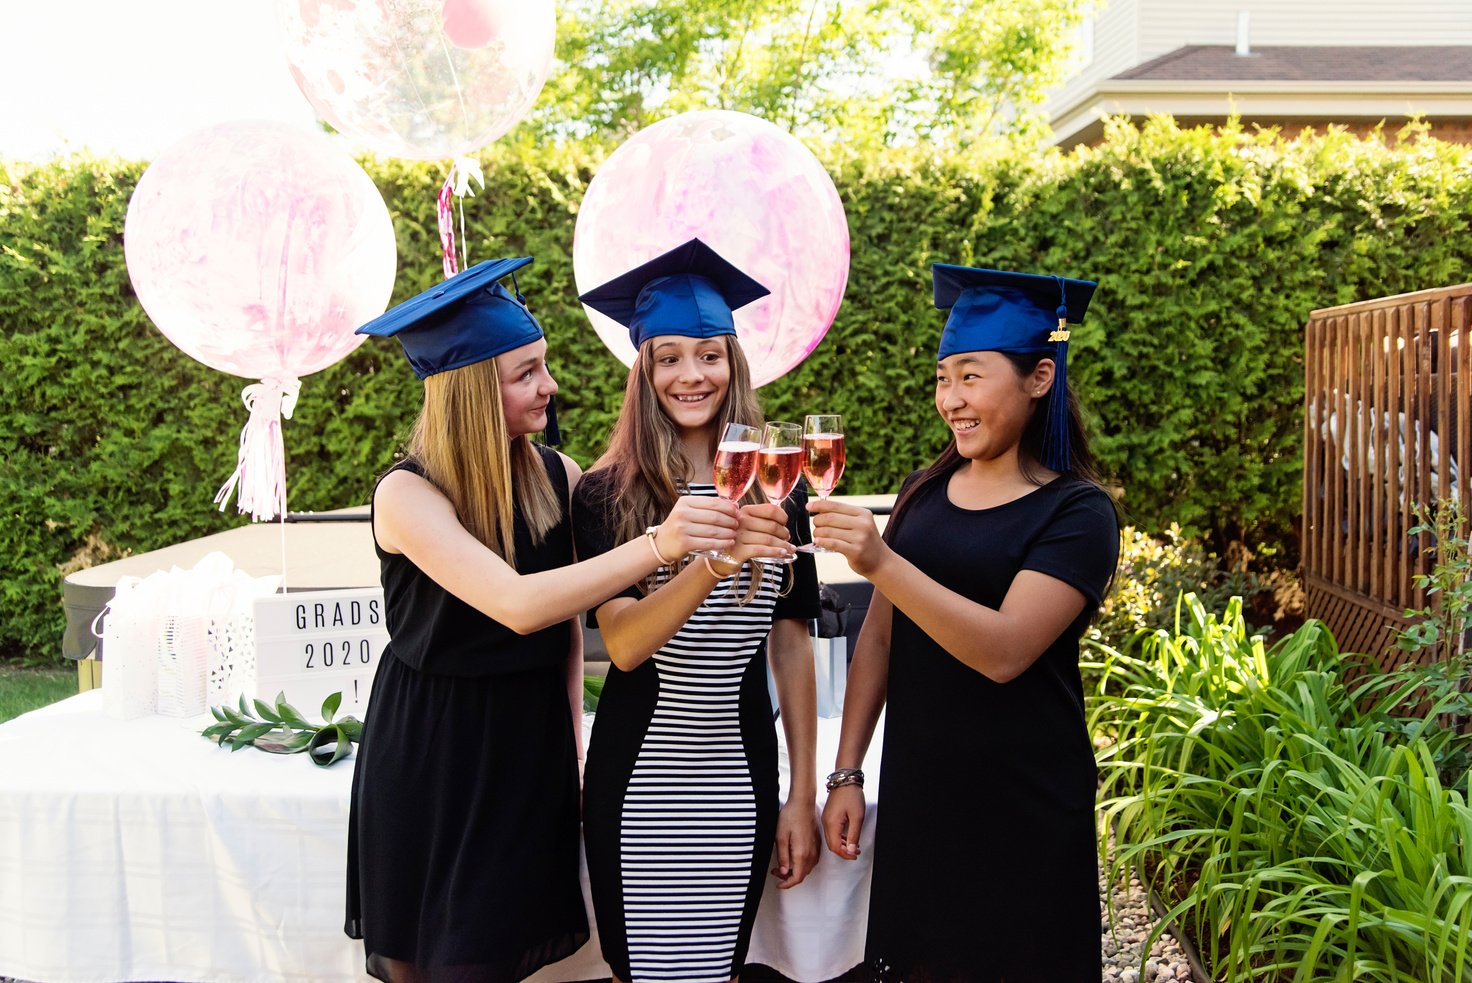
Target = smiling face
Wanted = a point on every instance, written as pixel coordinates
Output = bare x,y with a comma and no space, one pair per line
690,377
526,386
987,402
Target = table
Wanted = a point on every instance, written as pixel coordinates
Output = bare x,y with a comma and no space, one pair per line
137,850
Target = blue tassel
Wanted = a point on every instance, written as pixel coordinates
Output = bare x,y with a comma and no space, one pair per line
1055,444
1055,441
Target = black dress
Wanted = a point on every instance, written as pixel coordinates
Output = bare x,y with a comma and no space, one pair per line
680,789
985,864
463,836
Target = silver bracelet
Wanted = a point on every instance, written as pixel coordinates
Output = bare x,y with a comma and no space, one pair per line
845,776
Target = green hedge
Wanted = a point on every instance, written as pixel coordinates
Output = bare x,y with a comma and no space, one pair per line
1211,249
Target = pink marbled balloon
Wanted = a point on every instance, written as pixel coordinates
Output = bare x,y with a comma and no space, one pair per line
258,249
422,79
754,194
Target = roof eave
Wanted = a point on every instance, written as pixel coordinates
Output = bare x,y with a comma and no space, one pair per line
1339,101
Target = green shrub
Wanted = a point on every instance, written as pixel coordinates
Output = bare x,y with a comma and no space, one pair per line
1298,829
1154,573
1211,248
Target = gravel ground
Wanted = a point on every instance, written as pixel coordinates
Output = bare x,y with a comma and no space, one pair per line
1124,942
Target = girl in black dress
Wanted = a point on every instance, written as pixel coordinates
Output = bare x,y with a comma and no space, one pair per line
463,836
993,562
681,800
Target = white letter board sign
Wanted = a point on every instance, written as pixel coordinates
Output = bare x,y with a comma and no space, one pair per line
312,644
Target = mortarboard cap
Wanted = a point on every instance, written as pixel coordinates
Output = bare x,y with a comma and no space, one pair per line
466,319
690,290
999,311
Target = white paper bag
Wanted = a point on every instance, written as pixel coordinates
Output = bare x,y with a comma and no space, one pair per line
183,664
179,640
830,668
129,642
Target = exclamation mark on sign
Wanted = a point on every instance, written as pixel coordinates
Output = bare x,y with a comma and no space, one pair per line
355,691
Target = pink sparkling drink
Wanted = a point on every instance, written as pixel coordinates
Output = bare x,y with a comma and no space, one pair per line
735,468
823,456
778,470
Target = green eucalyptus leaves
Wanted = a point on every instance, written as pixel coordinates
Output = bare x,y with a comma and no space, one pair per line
281,729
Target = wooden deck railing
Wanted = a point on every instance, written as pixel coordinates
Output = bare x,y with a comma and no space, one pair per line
1387,426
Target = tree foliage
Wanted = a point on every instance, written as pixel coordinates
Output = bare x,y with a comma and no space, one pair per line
870,71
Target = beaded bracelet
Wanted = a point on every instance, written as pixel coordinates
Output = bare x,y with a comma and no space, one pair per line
845,776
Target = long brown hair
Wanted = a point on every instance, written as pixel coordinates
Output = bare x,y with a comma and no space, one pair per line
644,454
1081,464
460,440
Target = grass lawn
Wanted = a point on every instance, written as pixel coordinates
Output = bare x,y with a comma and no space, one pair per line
26,689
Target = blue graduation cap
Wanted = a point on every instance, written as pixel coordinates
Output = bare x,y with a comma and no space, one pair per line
466,319
690,290
999,311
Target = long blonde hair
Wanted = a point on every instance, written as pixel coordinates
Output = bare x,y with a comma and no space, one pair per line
460,441
644,452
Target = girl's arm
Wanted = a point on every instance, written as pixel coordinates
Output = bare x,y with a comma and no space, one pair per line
414,518
998,643
633,630
790,651
863,699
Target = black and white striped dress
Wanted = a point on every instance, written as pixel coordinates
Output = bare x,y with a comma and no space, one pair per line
680,790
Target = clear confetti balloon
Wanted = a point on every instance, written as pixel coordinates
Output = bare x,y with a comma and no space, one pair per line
258,248
422,79
753,193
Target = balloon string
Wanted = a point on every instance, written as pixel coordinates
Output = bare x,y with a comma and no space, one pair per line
259,480
457,184
282,523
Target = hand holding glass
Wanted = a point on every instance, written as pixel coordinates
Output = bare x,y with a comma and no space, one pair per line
734,470
779,467
822,459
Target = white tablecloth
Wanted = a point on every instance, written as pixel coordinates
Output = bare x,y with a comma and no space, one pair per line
137,850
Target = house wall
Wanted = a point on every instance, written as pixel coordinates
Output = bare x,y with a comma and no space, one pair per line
1165,25
1115,50
1127,33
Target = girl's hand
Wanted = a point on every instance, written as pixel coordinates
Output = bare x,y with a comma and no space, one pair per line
698,522
849,530
843,820
797,843
763,532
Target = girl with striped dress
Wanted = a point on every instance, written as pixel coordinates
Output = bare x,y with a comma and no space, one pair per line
680,802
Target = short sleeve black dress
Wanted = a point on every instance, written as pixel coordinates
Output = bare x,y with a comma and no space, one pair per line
680,789
985,865
463,836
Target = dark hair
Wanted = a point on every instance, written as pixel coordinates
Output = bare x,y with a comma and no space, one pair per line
1081,463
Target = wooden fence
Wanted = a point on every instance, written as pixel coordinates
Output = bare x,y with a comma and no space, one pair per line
1387,426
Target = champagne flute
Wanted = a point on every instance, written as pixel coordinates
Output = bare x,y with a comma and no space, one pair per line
734,470
779,467
822,459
